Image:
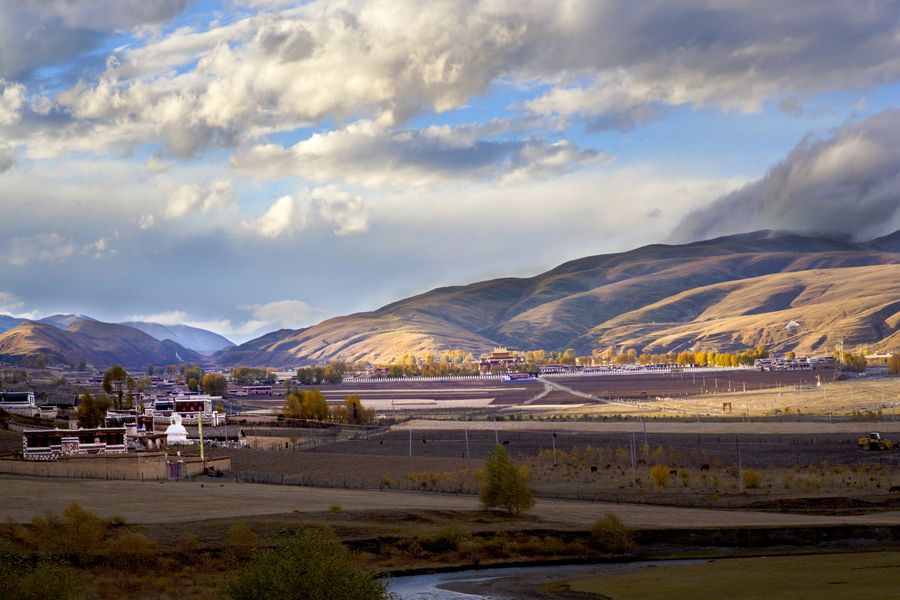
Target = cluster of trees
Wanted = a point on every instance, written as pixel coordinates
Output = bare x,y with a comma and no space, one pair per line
251,375
14,375
455,363
311,404
857,362
333,373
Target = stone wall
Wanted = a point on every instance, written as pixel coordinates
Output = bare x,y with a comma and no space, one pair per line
143,466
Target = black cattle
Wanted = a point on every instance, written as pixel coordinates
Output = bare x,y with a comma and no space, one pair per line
704,467
673,472
593,468
894,488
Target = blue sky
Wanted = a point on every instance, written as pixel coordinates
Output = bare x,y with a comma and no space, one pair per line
251,166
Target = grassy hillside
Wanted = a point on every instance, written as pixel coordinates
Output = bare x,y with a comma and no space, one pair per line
725,294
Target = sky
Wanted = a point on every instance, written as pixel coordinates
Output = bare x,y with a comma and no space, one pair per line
251,166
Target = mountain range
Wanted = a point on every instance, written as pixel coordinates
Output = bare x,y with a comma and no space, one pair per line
194,338
98,344
727,294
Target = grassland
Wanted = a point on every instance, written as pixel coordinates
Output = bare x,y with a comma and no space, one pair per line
822,577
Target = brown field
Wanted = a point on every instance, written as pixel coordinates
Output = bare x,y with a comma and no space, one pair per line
421,476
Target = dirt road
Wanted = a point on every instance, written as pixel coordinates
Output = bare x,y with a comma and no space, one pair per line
172,502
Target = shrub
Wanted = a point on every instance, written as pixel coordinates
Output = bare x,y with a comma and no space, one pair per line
660,476
751,479
75,533
242,542
313,564
610,534
335,508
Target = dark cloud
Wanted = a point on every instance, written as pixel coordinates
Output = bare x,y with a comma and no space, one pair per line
42,33
846,185
791,107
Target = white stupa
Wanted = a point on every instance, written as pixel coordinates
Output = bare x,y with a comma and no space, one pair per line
176,433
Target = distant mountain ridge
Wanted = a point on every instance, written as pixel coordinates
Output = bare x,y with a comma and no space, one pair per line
194,338
98,344
725,294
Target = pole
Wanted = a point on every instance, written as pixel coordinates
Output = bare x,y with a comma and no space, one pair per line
740,465
643,425
467,442
496,439
410,442
633,473
553,442
200,430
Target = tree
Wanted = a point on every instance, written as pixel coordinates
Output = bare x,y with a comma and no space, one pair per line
115,380
194,373
150,369
894,363
214,384
293,405
314,406
504,485
91,411
313,564
353,411
610,534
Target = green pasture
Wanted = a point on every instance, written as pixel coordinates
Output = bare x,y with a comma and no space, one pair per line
821,577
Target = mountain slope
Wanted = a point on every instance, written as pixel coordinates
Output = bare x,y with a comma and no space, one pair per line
194,338
98,344
725,294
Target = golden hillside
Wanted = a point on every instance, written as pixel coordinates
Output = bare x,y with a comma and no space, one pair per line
726,294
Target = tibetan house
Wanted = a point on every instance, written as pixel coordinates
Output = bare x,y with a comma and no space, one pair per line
51,444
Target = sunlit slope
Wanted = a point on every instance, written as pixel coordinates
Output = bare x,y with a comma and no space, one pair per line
724,295
98,344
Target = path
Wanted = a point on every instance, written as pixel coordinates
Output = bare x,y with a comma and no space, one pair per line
173,502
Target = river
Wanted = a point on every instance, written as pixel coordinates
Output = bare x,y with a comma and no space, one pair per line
509,583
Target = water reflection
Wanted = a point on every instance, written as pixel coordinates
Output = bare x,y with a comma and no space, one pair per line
425,587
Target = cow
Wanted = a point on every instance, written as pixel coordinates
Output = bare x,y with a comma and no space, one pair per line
642,463
704,467
894,488
593,468
673,472
506,442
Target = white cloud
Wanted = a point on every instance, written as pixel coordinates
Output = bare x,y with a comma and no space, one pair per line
327,206
174,317
147,221
218,195
283,314
288,314
368,154
12,99
282,217
613,62
52,247
345,212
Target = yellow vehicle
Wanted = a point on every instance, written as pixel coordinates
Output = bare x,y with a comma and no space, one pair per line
874,441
